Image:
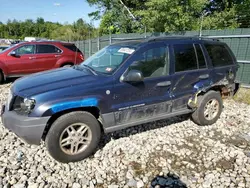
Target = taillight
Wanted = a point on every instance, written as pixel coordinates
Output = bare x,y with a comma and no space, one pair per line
81,56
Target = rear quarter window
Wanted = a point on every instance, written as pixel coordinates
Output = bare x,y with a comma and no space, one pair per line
71,47
219,55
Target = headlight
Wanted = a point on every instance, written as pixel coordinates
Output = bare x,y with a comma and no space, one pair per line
23,105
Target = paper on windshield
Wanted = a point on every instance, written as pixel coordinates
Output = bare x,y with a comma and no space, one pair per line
126,50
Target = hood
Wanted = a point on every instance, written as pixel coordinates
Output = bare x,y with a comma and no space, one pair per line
52,80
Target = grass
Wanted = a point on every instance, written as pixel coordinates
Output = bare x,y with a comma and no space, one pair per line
243,95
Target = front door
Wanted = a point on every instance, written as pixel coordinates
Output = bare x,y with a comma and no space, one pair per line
23,61
135,102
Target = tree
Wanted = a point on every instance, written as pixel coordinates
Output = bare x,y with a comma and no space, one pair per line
40,28
243,14
167,15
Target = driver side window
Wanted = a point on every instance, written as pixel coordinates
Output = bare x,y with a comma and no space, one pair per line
26,49
153,62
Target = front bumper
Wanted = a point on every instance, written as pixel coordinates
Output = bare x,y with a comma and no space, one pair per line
30,129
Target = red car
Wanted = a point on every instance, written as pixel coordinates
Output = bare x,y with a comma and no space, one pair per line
30,57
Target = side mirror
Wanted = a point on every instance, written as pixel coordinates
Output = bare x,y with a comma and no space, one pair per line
134,76
12,53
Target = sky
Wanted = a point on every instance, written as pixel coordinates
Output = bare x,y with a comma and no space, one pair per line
61,11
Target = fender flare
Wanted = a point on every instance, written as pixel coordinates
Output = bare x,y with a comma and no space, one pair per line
60,106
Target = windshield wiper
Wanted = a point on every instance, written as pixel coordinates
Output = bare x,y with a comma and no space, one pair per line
88,67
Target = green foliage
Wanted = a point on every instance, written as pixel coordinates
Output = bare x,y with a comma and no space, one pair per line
14,29
170,15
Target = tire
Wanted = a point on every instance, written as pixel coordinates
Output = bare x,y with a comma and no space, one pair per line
71,122
213,101
1,77
67,65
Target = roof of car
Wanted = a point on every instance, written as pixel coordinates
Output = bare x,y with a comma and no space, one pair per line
135,43
45,42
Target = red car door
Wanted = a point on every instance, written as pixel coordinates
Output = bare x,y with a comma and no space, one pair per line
46,56
20,61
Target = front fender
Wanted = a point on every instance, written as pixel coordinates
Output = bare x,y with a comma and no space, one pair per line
51,108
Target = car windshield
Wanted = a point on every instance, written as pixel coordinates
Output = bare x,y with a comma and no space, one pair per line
108,59
7,48
3,48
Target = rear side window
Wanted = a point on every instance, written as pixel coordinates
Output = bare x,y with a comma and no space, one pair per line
185,58
46,49
200,57
219,55
71,47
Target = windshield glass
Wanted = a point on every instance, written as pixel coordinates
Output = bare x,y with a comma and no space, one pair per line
3,48
108,59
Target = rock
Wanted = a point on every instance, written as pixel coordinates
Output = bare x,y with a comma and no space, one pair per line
145,179
33,185
91,185
76,185
19,186
139,184
99,180
113,186
13,181
241,184
132,183
129,175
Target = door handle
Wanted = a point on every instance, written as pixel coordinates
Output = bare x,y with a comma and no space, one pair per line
32,57
164,84
204,76
57,55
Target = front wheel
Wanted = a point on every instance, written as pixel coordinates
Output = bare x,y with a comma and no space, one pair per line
73,137
1,77
209,108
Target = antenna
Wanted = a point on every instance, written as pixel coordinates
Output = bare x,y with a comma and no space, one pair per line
76,50
130,13
204,13
132,16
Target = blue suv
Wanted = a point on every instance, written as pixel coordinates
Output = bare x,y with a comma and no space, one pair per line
122,85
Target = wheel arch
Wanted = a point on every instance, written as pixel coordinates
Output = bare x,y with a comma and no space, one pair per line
95,111
224,91
66,63
3,69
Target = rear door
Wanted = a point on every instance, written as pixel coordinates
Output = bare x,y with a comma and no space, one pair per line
46,56
224,64
191,73
23,62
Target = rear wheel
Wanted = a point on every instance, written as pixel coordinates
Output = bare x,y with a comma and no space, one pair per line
73,137
67,65
209,108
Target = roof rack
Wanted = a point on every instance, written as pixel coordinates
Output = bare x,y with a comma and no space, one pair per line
150,39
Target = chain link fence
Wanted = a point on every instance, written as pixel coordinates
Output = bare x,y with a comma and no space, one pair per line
238,40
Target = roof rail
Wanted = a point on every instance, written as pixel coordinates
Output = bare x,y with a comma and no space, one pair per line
46,40
150,39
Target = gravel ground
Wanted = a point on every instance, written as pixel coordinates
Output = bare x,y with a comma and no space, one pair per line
212,156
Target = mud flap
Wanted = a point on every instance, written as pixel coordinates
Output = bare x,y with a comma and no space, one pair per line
236,88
